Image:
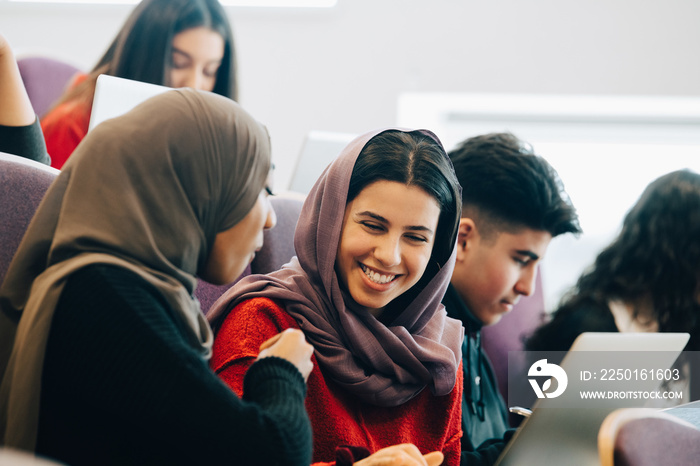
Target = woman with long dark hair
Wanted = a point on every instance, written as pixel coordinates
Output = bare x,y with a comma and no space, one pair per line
647,279
175,43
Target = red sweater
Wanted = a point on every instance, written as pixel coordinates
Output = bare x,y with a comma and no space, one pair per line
65,126
432,423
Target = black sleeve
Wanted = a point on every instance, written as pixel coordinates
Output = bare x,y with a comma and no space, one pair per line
488,452
122,386
25,141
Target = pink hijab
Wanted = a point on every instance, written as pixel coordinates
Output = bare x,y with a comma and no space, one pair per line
383,363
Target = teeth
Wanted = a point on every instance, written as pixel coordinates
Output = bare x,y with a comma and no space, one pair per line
375,277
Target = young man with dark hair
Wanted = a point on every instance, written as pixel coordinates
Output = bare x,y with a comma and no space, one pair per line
513,204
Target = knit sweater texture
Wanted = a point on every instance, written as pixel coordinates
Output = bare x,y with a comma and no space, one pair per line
338,417
121,386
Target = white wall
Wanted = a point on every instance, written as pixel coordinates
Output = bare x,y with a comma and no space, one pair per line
342,69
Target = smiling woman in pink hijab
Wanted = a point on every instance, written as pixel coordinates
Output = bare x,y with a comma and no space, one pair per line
375,252
103,347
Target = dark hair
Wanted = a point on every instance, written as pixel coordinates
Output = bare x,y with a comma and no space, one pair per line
418,159
505,187
656,254
142,49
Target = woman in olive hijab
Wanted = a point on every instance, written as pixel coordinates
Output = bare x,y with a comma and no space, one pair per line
103,348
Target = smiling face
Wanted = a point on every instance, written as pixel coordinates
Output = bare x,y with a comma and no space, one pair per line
235,248
386,241
491,274
196,58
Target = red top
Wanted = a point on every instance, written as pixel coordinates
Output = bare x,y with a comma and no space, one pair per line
432,423
65,126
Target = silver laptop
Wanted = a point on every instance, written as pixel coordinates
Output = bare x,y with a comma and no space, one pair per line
116,96
564,429
319,149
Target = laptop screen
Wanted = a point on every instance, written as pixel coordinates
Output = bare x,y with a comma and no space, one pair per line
116,96
601,372
320,148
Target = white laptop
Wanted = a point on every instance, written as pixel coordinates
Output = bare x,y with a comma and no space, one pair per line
116,96
319,149
564,430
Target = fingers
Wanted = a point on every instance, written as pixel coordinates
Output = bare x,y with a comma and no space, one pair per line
295,335
434,458
405,454
412,454
267,343
292,346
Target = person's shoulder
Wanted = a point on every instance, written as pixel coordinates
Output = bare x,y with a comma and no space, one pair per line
245,328
258,312
259,304
78,79
73,112
587,315
103,272
108,284
64,127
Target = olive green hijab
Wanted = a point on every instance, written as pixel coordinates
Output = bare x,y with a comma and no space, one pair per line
147,191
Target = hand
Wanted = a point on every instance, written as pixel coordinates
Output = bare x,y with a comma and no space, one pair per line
292,346
405,454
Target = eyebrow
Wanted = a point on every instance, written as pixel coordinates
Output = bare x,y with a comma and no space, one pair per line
525,252
189,57
181,52
381,219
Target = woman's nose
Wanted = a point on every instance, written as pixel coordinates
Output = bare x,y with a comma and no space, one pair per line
388,252
193,79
